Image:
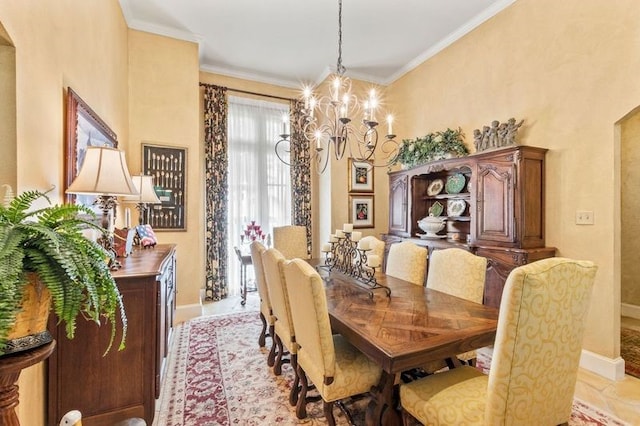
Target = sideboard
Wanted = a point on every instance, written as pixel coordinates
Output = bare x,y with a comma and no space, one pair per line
503,194
121,384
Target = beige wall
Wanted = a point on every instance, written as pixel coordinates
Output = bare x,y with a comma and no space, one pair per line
163,99
566,68
60,44
630,206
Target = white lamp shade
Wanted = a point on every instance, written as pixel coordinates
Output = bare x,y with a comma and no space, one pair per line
104,172
144,185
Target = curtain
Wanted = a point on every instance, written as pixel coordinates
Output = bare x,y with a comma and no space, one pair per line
215,145
300,172
259,183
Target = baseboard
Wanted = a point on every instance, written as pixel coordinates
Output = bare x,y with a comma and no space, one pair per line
612,369
631,311
187,312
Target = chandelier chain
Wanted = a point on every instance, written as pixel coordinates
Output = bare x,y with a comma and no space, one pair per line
340,69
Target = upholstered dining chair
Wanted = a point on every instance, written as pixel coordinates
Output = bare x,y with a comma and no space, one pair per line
285,337
291,241
459,273
336,368
535,359
408,262
266,312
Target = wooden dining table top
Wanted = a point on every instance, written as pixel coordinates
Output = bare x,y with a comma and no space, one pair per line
412,326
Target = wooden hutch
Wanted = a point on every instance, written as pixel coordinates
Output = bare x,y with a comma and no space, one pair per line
499,212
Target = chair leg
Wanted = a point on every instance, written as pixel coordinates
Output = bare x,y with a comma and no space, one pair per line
293,394
277,368
328,412
301,407
263,333
407,419
271,359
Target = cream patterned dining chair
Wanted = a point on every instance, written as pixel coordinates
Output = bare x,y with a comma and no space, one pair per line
266,312
291,241
408,262
459,273
285,337
535,359
336,368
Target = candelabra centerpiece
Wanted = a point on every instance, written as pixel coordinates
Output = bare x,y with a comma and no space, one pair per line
346,253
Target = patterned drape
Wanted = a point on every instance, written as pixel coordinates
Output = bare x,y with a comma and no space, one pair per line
300,172
216,189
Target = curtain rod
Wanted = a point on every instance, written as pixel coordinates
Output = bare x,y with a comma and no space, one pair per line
247,92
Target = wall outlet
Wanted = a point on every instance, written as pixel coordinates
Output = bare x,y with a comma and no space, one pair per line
584,217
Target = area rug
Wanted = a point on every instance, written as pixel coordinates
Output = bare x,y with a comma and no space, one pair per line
630,351
217,375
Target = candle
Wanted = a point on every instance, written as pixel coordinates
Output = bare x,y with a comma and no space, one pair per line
307,94
389,126
336,89
127,217
333,238
373,261
339,233
363,245
347,227
312,105
355,236
372,104
326,247
284,124
318,140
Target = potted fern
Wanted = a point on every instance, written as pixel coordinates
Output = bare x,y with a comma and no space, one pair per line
46,247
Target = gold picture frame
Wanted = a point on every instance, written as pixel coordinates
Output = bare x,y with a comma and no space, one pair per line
362,211
360,176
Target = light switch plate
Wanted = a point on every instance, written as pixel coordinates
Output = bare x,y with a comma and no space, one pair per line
584,217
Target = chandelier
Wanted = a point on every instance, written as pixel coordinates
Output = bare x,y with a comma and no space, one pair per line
326,123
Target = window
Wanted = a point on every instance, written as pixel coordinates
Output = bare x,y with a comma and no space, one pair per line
259,183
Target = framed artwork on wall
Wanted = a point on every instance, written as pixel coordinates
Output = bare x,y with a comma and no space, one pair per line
168,166
361,211
83,129
360,176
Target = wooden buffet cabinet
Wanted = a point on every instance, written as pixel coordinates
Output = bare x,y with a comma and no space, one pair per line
504,215
122,384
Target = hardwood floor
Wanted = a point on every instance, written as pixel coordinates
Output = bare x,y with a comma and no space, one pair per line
621,398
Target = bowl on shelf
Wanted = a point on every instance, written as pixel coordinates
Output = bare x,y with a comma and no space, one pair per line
431,225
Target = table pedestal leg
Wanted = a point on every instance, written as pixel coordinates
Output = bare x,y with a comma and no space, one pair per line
382,409
243,283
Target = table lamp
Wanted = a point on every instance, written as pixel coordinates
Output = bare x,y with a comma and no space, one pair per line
104,173
147,195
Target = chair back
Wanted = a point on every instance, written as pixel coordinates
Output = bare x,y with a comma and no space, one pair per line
408,262
310,317
291,241
457,272
257,248
273,261
538,342
376,246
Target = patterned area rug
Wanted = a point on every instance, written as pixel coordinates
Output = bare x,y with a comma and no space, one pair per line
630,351
217,375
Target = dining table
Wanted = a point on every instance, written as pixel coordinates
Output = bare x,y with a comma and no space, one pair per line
402,329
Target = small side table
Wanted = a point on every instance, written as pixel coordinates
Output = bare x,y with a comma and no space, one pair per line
245,259
10,368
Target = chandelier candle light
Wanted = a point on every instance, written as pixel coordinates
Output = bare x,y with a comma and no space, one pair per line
346,253
338,131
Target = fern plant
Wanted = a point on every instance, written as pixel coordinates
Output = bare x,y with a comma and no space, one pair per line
50,243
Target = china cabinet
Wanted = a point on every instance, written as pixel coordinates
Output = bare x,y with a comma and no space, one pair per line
121,384
492,204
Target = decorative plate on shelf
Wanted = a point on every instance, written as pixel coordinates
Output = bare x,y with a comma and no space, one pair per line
436,209
455,208
455,183
435,187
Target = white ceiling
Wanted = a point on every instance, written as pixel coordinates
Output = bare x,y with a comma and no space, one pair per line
290,42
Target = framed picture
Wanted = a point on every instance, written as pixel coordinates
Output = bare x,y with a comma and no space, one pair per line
361,211
360,176
83,129
168,166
